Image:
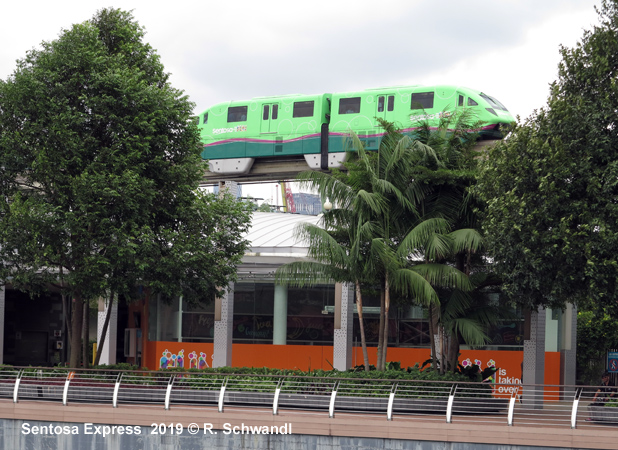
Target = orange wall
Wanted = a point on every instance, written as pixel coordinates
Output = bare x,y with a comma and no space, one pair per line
305,357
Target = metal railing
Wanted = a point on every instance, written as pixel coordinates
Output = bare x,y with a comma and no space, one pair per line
522,405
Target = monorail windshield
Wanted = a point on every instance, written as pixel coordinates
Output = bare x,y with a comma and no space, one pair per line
493,102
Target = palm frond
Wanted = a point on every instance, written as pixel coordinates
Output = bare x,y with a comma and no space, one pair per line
420,236
410,283
466,239
444,276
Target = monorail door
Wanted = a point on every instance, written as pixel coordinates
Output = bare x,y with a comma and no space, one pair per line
385,106
270,118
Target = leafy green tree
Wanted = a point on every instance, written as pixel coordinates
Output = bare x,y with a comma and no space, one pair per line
99,169
551,187
596,334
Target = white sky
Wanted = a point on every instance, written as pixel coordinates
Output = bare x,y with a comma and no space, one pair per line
218,50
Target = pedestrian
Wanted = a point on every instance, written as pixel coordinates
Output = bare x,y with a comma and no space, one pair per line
605,392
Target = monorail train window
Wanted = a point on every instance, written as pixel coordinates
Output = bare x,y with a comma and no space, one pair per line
493,102
303,109
266,111
461,101
391,103
237,114
380,104
472,102
349,105
275,112
422,100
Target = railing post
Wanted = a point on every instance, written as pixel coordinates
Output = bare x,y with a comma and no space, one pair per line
222,394
333,396
168,392
65,392
276,398
578,393
449,406
16,388
116,390
512,400
391,400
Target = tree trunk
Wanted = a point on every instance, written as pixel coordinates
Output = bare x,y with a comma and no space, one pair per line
442,340
380,331
359,305
76,331
108,314
453,352
86,336
66,305
387,302
432,337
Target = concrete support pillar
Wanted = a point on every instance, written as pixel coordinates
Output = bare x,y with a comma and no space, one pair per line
534,358
231,187
344,315
224,321
280,315
224,307
108,353
2,300
568,346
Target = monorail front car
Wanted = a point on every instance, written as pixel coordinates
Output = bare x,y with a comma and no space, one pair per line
315,127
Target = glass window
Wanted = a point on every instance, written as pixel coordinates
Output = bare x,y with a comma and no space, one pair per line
349,105
380,104
303,109
265,113
422,100
391,103
493,102
164,319
237,114
275,112
205,119
461,101
471,102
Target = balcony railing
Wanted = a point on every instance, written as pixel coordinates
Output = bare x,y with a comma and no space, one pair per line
526,405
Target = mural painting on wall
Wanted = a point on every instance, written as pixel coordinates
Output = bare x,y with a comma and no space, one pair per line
171,360
500,377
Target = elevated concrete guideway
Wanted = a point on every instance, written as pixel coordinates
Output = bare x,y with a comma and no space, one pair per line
286,168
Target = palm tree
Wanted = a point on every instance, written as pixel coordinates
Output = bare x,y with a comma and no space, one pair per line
391,227
356,244
336,248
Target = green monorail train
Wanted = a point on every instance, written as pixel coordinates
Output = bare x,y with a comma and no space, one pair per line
315,127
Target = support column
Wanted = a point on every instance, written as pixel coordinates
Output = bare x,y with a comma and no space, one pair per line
344,315
224,307
568,346
534,359
224,317
280,315
108,352
231,187
2,300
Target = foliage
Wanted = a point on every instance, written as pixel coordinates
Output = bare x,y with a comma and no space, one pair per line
99,169
551,186
596,334
400,223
